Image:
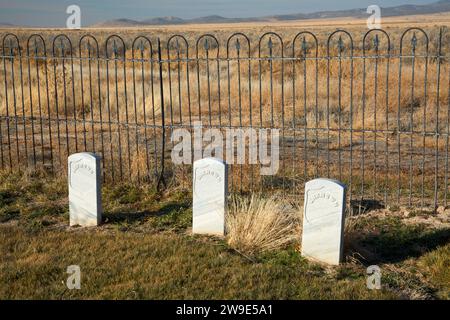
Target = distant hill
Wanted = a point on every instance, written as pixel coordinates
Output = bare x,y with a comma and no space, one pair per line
402,10
6,25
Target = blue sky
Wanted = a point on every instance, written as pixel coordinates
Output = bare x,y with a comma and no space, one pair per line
52,13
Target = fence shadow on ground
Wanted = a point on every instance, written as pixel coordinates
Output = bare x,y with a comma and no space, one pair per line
364,206
396,244
141,216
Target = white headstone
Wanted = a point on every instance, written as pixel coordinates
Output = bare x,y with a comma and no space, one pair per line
85,203
323,220
209,196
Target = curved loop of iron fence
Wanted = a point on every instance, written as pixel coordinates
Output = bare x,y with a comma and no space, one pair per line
418,30
9,45
270,43
303,33
207,46
115,49
141,47
34,36
340,43
176,37
11,58
61,37
366,35
88,37
237,44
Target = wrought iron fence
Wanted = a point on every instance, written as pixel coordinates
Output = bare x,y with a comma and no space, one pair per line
370,113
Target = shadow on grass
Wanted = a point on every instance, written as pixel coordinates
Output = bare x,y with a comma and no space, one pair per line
365,205
396,243
139,216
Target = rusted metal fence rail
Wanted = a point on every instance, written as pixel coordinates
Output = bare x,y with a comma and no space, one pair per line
372,113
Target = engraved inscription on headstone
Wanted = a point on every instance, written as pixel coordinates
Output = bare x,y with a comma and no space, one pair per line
323,220
209,196
85,203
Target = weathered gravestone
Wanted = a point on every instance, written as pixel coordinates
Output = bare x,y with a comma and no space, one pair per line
209,196
323,220
85,204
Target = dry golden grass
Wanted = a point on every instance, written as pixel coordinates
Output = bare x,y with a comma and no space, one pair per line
258,224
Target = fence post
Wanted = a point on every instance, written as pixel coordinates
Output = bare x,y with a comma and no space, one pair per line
161,180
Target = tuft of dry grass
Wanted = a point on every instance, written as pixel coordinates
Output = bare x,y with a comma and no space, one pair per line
259,224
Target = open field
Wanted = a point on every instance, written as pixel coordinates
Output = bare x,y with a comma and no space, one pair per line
145,250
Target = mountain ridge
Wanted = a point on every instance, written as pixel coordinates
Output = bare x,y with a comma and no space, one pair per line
401,10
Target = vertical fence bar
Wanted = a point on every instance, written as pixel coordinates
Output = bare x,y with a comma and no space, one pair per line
28,57
100,111
351,118
375,106
91,111
161,179
437,135
8,119
305,112
141,49
237,46
49,118
144,109
24,117
340,49
2,160
399,129
424,127
74,105
127,122
155,147
363,121
294,98
55,78
13,82
411,117
38,84
83,111
328,57
108,105
447,140
119,129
